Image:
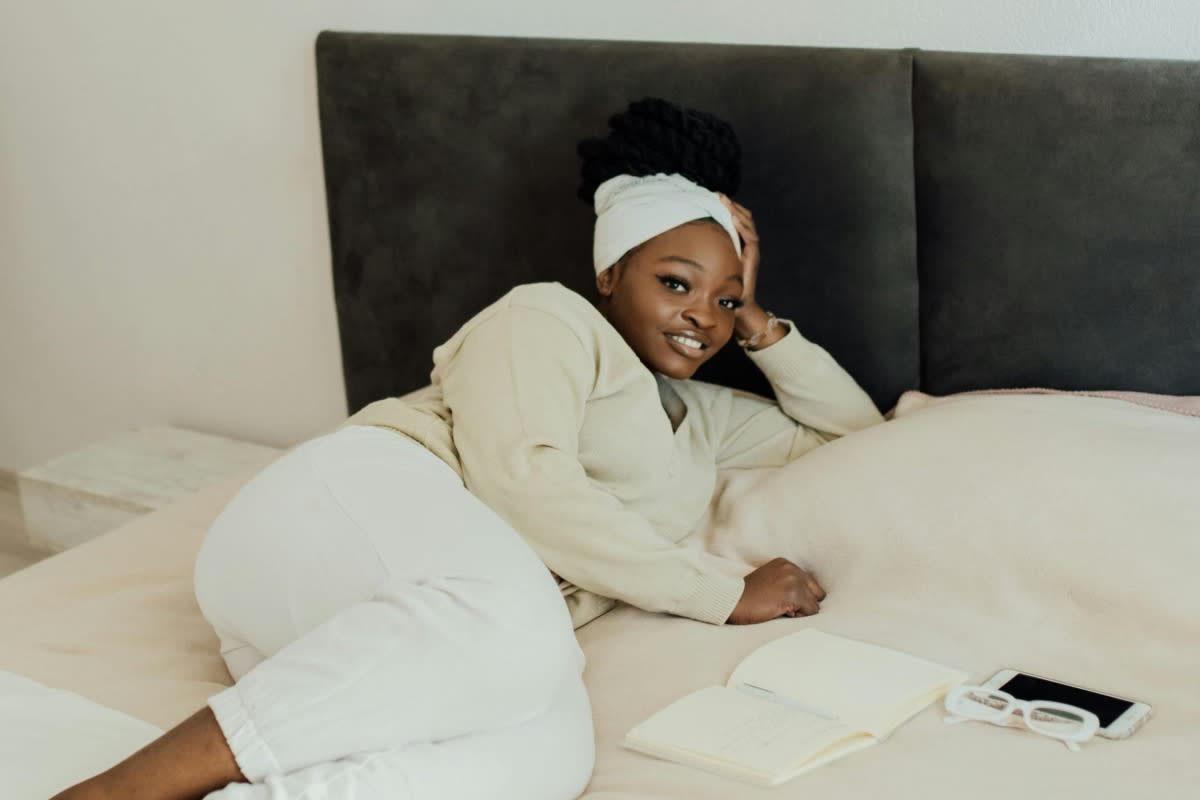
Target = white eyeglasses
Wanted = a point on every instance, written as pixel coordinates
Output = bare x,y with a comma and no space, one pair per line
1069,724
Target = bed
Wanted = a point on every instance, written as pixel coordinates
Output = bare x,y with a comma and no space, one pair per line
948,225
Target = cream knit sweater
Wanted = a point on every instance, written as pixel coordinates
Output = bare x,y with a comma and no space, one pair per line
603,466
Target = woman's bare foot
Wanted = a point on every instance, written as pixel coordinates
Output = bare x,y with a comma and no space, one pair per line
188,761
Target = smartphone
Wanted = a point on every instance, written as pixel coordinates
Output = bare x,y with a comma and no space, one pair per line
1119,717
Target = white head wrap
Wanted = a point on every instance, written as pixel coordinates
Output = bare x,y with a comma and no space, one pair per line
631,210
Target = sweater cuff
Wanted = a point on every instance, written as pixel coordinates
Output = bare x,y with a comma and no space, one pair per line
712,598
791,356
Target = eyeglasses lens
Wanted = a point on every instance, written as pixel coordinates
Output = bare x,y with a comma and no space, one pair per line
1055,721
983,705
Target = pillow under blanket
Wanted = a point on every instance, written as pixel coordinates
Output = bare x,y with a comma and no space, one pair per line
1036,508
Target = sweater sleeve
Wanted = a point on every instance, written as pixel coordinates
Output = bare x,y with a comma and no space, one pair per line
517,390
816,401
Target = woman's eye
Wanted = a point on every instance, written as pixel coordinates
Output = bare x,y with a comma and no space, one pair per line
674,284
731,304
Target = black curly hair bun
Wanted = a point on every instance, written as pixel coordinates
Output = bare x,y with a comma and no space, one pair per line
655,135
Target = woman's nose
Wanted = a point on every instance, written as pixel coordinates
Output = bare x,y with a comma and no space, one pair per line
700,315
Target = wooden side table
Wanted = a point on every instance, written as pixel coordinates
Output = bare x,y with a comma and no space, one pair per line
82,494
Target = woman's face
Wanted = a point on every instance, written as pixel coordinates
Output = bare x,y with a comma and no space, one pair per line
673,298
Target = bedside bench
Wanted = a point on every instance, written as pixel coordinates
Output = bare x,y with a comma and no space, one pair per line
78,496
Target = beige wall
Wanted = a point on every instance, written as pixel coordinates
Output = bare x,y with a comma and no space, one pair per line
163,247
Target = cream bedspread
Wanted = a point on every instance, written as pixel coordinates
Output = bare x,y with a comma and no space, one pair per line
1056,534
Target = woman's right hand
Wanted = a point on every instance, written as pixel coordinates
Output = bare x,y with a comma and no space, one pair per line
778,588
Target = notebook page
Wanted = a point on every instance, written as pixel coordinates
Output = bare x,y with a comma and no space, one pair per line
736,729
868,684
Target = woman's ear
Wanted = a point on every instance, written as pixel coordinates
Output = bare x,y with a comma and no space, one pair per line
606,280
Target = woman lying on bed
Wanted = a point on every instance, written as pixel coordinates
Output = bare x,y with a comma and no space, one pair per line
381,593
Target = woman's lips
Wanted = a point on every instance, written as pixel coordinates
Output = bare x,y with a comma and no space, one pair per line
684,350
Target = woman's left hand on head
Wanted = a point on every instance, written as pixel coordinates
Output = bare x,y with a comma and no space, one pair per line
743,221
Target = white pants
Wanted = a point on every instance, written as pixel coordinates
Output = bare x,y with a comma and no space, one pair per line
391,637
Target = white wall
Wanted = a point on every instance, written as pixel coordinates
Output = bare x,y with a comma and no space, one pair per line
163,246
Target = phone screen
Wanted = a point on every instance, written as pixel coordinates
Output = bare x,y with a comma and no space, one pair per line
1027,687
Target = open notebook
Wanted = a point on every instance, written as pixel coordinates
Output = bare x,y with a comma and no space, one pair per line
793,704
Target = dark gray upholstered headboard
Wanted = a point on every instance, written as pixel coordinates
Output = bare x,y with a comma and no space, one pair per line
936,220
